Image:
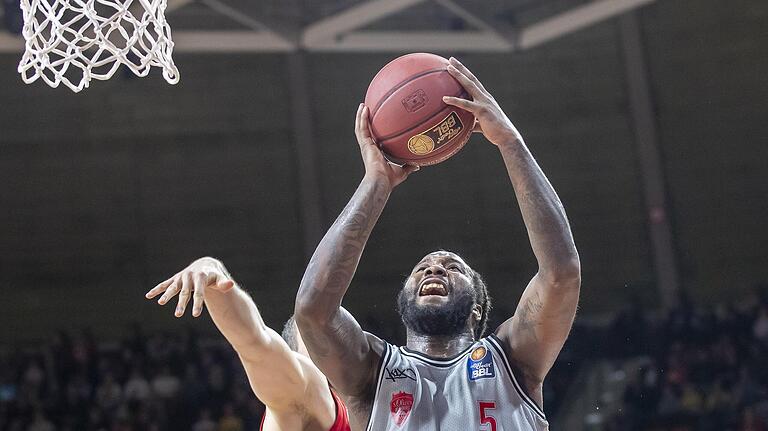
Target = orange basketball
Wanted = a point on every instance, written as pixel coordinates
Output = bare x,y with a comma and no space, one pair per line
409,120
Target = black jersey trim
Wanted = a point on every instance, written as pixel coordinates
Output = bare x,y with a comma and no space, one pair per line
496,344
437,362
382,364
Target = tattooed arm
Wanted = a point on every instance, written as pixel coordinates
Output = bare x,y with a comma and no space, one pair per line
335,341
545,313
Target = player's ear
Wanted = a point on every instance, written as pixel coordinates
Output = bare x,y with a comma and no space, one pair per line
477,312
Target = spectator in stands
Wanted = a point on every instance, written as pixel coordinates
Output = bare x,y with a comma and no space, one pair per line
229,420
137,387
41,423
165,385
760,328
751,422
109,394
204,422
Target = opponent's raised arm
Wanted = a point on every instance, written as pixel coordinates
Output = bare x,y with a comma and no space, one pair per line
545,313
335,341
279,377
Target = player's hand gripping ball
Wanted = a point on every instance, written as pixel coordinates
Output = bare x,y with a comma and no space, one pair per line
409,120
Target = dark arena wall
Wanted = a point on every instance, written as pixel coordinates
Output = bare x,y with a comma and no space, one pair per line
108,192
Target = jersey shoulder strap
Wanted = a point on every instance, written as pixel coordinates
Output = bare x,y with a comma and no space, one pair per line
495,343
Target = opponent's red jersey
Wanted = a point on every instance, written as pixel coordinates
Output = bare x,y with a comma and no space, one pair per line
342,417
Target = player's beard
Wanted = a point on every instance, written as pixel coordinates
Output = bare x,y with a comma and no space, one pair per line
436,320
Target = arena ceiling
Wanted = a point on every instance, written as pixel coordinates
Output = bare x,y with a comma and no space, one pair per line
369,26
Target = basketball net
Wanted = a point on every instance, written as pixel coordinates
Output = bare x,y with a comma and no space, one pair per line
74,41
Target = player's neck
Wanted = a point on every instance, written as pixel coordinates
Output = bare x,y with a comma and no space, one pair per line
440,346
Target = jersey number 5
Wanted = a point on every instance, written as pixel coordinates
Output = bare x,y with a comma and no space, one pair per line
486,419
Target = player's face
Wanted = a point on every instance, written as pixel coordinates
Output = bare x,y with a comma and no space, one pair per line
438,296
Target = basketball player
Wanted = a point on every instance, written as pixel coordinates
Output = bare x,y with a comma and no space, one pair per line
448,377
295,392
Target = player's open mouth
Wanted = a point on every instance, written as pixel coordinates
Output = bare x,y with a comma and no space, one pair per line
430,287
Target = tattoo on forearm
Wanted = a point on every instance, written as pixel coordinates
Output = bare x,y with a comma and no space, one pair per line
346,240
333,265
542,209
355,225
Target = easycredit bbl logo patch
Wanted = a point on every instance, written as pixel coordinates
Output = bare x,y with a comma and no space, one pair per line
437,136
480,364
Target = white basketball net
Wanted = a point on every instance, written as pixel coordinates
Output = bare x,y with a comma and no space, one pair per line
74,41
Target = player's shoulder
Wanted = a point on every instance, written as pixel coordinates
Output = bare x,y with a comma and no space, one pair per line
317,403
314,378
503,336
378,345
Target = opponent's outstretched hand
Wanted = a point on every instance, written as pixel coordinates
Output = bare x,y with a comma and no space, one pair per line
376,165
192,281
490,119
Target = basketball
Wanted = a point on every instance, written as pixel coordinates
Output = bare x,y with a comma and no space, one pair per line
409,120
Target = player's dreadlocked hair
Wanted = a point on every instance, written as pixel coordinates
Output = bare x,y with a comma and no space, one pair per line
484,300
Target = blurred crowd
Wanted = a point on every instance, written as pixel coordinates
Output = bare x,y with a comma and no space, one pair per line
706,369
144,383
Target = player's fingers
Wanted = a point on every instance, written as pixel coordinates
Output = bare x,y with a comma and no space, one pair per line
476,128
467,83
409,169
225,285
364,138
186,292
358,116
212,279
403,171
365,123
362,130
172,290
468,73
160,288
202,280
467,105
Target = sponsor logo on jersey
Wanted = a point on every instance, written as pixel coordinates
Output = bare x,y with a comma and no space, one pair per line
400,407
399,373
480,364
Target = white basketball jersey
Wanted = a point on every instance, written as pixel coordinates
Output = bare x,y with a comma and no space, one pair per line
474,391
